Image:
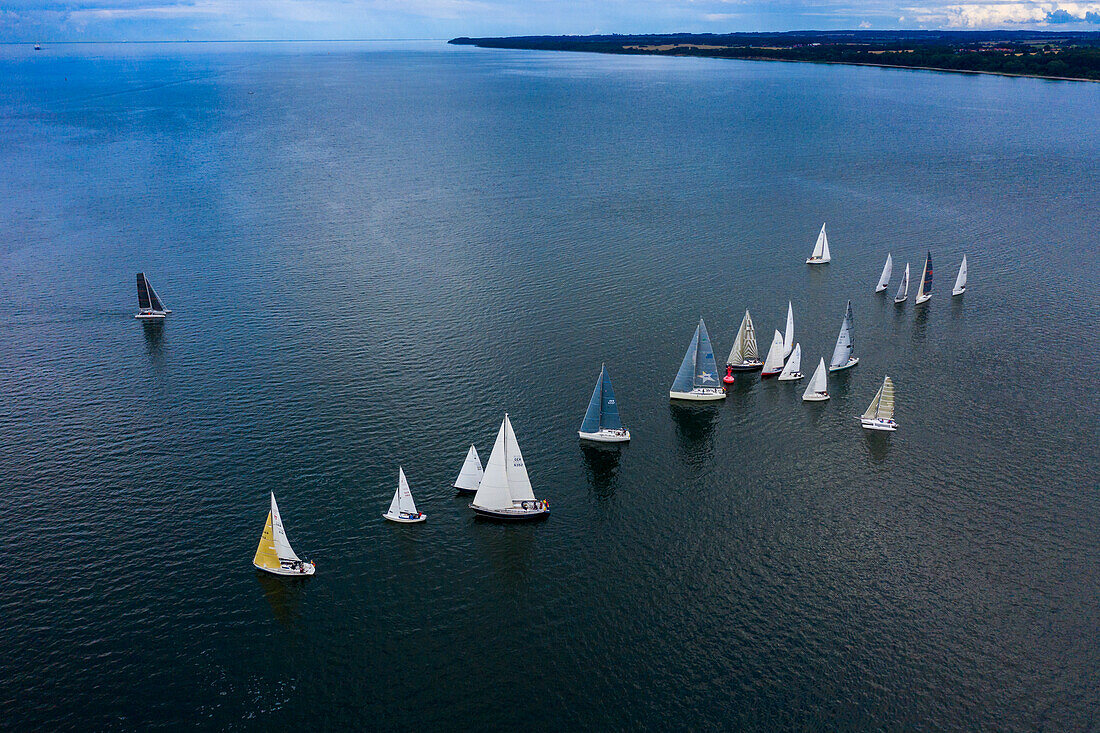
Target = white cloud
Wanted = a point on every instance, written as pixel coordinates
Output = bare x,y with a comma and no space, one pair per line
996,15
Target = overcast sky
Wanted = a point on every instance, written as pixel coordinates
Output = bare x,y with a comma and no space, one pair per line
46,20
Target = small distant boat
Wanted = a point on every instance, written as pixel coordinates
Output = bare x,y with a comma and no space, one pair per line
842,352
149,303
880,413
274,554
469,478
698,375
820,254
924,292
505,491
402,508
37,47
903,289
960,281
887,271
788,334
792,372
818,388
743,356
773,362
601,422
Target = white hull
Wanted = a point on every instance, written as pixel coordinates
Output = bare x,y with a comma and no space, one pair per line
923,299
307,569
790,377
899,301
852,361
959,291
517,511
817,261
748,366
700,394
606,436
151,316
881,288
773,373
403,518
877,424
462,490
816,397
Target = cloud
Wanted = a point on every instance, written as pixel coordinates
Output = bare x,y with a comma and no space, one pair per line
864,24
1002,14
1061,16
1092,17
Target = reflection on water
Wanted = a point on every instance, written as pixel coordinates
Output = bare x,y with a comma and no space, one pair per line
508,545
695,429
601,463
284,595
920,321
957,306
878,444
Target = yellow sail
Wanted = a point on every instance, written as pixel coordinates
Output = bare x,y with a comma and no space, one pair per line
265,553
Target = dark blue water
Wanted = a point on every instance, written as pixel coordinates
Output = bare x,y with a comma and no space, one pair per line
373,251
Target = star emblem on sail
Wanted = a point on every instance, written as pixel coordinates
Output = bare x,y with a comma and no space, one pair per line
705,376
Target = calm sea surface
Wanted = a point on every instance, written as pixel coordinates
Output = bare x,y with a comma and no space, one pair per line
374,250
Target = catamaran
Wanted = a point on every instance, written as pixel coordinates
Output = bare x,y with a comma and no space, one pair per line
505,491
887,271
743,356
470,476
924,292
818,388
149,303
880,413
792,372
820,254
773,362
275,555
903,289
842,352
698,375
788,335
601,422
403,508
960,281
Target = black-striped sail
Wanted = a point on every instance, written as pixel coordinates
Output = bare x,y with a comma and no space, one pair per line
603,412
148,300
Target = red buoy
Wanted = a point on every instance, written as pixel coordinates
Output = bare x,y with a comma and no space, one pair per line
728,379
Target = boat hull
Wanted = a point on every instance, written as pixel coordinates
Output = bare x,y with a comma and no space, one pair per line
405,519
307,570
700,394
881,288
876,424
606,436
153,316
899,301
923,299
461,490
516,513
960,291
775,373
818,261
749,366
816,397
791,378
852,361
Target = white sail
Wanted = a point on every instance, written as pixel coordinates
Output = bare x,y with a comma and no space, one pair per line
788,335
886,400
403,498
887,271
903,289
519,485
278,534
794,365
872,410
470,475
492,492
842,352
821,247
960,281
774,361
744,346
819,383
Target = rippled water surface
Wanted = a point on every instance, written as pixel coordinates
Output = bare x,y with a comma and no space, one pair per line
373,251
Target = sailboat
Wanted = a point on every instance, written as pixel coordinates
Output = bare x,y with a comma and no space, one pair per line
149,303
788,335
773,362
842,352
601,421
924,292
820,254
402,508
792,372
743,356
903,289
818,388
698,375
880,413
887,271
274,554
960,281
505,491
470,476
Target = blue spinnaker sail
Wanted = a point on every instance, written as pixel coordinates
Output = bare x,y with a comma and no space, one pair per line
685,378
609,411
591,422
705,373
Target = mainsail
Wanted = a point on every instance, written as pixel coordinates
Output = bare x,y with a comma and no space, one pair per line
887,271
706,370
882,407
603,413
788,335
402,498
505,480
925,290
794,364
470,475
960,281
282,544
821,247
773,363
147,297
819,382
843,349
903,289
744,346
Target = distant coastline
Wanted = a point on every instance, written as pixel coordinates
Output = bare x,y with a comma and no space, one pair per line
1062,56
